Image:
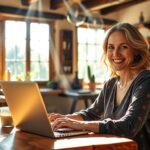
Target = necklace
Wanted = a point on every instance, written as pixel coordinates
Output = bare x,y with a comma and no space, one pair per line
126,85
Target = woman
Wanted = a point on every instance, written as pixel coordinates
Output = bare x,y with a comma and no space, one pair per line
123,106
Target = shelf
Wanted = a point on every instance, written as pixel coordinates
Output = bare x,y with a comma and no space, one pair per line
66,51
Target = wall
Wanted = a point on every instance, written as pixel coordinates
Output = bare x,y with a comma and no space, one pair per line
131,14
62,25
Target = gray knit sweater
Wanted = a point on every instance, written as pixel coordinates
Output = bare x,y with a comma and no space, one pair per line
131,118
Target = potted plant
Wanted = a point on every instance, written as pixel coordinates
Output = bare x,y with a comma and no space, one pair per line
52,84
91,78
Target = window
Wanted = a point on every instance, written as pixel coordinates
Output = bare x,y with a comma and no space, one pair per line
27,49
39,43
15,47
90,52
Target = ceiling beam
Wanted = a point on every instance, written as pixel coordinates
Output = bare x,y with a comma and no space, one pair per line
89,4
99,4
30,13
55,4
121,6
104,21
106,6
28,2
44,15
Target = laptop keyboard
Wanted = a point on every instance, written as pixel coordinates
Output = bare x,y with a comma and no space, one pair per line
64,132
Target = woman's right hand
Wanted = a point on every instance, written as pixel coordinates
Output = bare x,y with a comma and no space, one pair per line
53,116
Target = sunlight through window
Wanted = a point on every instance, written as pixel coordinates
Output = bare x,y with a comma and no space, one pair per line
27,50
90,52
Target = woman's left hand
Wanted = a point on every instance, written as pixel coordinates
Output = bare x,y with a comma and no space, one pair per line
76,124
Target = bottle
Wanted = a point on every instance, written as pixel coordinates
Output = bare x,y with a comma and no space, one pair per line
7,74
76,82
141,18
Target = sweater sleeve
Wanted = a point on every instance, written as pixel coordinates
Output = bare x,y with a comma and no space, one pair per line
136,115
95,111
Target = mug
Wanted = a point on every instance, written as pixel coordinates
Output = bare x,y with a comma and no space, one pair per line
5,117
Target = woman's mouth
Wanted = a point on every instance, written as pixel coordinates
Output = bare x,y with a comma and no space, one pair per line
118,60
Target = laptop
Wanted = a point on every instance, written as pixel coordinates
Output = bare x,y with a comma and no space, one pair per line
28,109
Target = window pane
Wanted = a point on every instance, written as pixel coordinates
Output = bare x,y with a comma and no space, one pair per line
15,45
39,53
15,30
90,52
15,49
99,52
39,50
99,36
39,71
17,69
82,37
91,35
39,31
82,72
83,51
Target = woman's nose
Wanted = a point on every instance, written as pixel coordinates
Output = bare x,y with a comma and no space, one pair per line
116,52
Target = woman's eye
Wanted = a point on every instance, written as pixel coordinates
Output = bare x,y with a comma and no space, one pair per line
110,48
124,47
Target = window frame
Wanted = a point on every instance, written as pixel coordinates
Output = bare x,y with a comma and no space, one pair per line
92,27
2,45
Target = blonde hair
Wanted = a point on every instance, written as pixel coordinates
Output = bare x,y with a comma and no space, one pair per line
136,41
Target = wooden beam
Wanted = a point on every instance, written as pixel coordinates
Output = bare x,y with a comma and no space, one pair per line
28,2
99,4
89,4
55,4
31,13
124,5
106,6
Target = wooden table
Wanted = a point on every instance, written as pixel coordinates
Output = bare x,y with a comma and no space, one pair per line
12,139
51,91
77,95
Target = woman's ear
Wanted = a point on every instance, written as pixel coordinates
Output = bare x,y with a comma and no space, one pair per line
137,58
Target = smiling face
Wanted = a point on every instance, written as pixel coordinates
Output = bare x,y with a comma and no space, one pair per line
119,52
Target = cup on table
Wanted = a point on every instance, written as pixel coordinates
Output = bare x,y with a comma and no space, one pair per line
5,117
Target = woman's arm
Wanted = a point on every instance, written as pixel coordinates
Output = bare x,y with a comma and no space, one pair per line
53,116
83,120
91,113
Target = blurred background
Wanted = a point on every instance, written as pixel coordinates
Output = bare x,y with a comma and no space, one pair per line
54,41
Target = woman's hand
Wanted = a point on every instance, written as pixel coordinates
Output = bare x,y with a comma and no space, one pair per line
76,124
67,122
53,116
